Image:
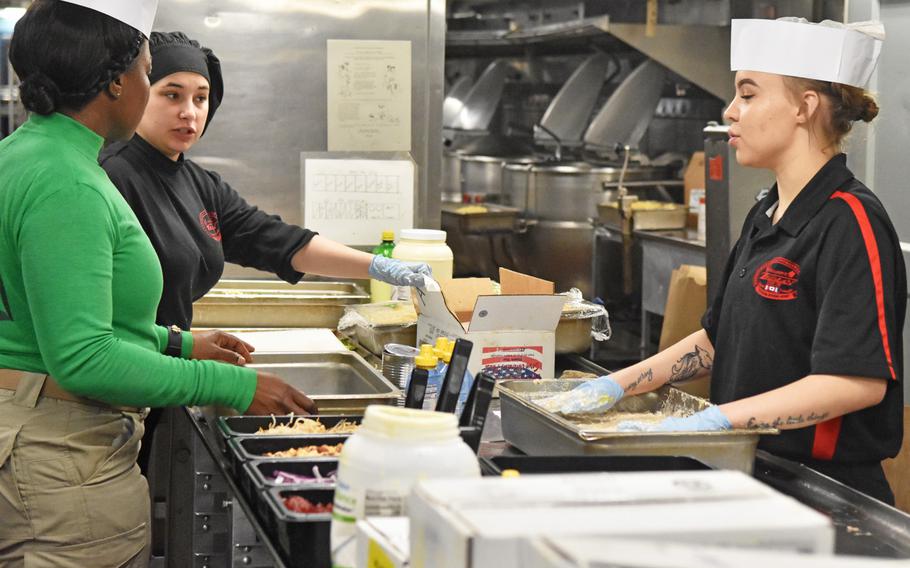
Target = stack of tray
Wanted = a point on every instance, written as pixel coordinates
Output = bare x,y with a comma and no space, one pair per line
302,538
532,429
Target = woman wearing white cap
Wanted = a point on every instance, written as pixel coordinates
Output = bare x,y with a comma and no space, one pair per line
805,333
80,354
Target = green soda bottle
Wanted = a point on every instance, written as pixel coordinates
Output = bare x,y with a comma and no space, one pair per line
380,291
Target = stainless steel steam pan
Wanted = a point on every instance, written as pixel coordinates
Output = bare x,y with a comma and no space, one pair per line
273,303
536,431
339,382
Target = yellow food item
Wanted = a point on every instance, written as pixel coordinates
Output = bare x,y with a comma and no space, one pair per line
652,206
611,420
470,209
307,426
389,313
308,451
648,205
572,374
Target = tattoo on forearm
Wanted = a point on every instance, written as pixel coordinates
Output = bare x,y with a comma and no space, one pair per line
691,364
645,377
754,423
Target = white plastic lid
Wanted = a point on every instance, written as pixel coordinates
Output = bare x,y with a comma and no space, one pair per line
409,424
423,235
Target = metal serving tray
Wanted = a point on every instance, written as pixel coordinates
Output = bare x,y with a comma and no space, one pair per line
496,219
645,219
373,339
340,382
274,303
536,431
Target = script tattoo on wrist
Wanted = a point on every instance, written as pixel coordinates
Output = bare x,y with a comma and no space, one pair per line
800,419
645,377
691,364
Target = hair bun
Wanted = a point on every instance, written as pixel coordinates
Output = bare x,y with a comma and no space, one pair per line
868,110
39,93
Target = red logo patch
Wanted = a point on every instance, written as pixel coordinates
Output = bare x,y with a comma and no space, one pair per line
209,221
776,279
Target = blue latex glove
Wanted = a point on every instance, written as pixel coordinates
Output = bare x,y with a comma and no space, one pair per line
708,420
597,395
398,273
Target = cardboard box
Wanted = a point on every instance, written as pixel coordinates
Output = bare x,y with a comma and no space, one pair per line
693,178
485,522
513,334
382,542
686,302
616,553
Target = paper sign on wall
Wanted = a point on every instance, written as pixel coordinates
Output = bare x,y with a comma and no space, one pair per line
353,201
369,95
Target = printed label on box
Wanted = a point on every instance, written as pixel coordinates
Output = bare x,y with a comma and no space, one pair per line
513,362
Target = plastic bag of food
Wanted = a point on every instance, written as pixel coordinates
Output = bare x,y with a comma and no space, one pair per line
382,314
374,325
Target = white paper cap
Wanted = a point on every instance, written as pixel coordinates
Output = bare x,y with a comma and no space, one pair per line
139,14
827,51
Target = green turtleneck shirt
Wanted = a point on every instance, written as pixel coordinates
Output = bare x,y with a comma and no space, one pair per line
80,282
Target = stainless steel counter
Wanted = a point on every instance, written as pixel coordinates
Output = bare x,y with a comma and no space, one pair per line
863,525
662,253
684,237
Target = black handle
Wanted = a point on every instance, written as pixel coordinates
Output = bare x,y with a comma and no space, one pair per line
451,384
417,389
468,411
485,386
472,434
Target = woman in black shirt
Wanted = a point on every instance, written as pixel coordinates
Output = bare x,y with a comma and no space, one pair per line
804,334
194,219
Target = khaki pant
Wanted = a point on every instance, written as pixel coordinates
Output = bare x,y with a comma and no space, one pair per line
71,495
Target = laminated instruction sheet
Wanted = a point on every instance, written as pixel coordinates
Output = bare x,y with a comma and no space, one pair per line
369,95
354,201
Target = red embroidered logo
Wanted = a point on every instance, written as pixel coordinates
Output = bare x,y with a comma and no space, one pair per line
209,221
776,279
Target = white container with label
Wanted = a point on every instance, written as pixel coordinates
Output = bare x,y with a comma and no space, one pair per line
429,246
392,450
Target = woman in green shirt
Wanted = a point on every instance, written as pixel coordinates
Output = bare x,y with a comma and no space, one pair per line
80,354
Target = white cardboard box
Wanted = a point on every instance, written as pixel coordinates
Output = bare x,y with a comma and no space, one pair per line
589,552
484,522
514,336
382,542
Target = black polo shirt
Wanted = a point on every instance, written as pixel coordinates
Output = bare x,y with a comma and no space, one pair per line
821,292
196,222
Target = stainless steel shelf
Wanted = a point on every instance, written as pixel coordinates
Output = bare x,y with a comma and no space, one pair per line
698,53
586,27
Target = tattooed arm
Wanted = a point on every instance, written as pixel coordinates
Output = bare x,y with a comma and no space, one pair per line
808,401
690,358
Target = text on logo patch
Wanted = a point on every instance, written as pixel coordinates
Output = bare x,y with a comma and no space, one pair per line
776,279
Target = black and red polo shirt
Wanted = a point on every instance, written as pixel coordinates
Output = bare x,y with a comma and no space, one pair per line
823,291
196,222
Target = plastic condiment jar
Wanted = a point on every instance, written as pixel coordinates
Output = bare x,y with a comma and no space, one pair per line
393,449
426,245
